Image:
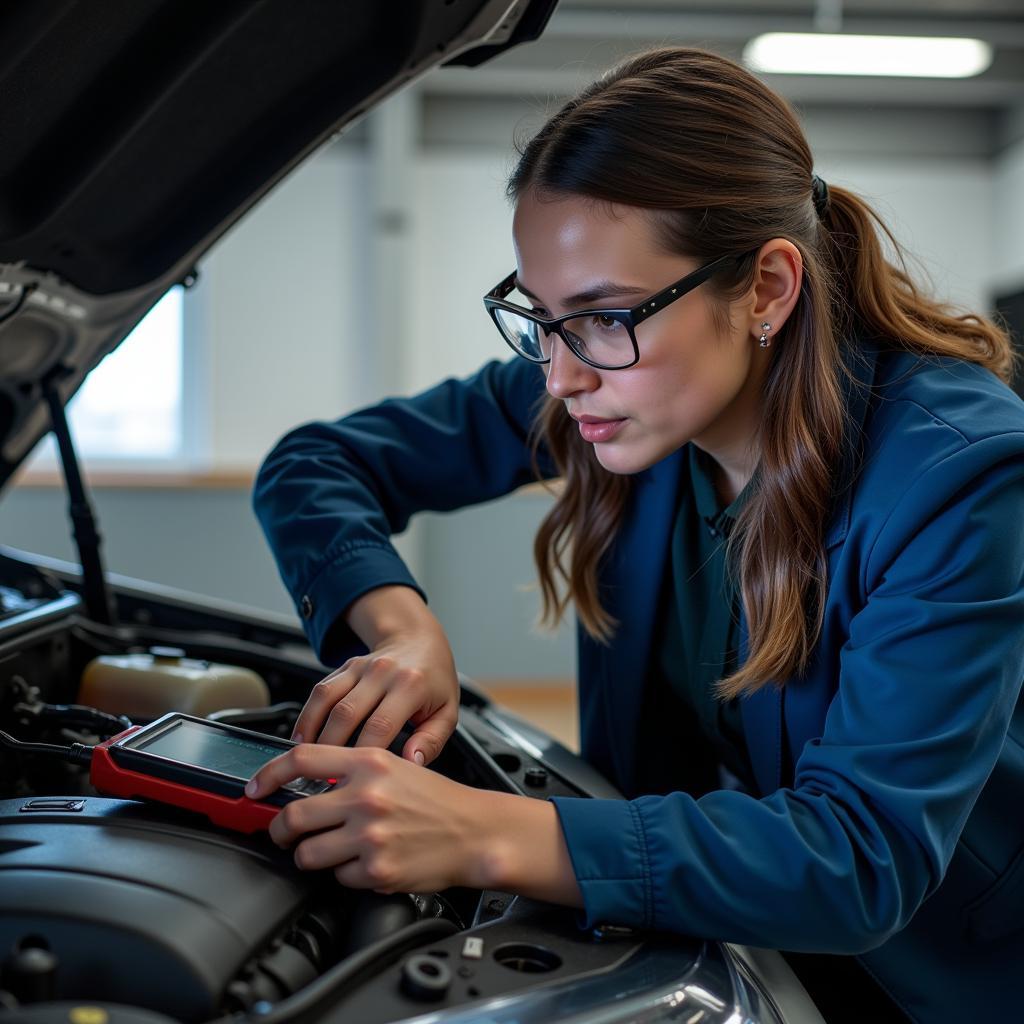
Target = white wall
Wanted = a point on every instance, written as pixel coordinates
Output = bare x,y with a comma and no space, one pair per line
281,316
939,211
461,248
1008,216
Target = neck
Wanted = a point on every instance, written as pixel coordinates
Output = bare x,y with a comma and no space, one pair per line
728,485
733,443
730,472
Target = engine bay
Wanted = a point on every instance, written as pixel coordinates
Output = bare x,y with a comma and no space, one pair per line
131,904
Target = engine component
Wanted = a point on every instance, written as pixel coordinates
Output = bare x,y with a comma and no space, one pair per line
138,906
150,684
425,977
29,973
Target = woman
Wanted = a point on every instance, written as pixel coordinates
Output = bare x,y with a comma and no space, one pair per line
791,531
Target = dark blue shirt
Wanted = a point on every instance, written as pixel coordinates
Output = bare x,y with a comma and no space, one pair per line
700,615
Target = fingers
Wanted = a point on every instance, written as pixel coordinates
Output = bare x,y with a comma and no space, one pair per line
310,814
364,873
307,760
387,826
327,850
375,692
358,864
409,678
319,827
322,699
386,722
341,701
350,709
427,742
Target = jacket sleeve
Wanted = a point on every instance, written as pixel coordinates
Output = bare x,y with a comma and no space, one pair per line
928,680
330,495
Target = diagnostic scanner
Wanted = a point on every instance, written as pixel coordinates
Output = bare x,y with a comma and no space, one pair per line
198,765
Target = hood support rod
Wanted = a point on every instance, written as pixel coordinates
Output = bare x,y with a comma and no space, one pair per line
95,592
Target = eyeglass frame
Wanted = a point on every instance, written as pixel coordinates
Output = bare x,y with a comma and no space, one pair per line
630,317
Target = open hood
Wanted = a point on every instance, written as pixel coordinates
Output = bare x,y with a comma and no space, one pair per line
136,132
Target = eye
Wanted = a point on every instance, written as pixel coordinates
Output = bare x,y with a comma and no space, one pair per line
606,323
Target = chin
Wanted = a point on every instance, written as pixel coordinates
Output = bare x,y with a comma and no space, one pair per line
624,460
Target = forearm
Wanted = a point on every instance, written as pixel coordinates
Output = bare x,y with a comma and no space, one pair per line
519,848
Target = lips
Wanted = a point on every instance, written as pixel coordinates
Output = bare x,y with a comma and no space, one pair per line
596,429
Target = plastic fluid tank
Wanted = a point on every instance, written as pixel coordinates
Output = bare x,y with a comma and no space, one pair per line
150,684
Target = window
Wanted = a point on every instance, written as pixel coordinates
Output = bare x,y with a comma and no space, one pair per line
129,409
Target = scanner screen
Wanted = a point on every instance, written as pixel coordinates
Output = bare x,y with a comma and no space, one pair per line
210,748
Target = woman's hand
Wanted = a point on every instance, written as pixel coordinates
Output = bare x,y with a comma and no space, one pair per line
392,826
408,675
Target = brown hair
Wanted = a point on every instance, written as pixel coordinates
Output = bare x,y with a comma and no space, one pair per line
724,162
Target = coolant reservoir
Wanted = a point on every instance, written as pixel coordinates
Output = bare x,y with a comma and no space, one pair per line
149,685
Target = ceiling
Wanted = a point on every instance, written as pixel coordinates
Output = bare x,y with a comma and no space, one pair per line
585,36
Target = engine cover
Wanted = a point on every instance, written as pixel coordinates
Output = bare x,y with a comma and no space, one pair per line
145,906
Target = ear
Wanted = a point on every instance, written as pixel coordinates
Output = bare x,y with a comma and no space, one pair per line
778,275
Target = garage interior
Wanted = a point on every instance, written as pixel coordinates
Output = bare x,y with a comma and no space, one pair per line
274,333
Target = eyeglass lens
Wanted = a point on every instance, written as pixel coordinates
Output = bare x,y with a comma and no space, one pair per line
600,338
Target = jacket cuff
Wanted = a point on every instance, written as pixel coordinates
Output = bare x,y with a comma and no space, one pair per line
608,851
353,572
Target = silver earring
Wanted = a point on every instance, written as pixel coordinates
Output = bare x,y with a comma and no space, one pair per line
763,340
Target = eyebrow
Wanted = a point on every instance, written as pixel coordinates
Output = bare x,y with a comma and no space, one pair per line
601,290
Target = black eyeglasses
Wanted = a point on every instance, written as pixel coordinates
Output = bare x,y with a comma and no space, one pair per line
602,338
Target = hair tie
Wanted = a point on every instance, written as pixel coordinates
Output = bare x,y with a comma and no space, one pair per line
819,193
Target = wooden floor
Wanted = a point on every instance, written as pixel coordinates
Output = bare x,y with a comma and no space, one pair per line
549,705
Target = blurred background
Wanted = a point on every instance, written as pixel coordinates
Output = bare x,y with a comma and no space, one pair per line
361,276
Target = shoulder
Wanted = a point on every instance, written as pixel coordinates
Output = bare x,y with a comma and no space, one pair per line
938,431
960,396
922,410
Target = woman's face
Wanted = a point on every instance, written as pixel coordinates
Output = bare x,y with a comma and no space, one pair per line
691,382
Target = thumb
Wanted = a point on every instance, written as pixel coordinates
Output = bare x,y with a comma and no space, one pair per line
426,743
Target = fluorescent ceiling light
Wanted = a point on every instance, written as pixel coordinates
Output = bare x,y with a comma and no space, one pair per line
819,53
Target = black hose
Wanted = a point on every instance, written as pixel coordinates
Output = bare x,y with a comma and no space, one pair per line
77,753
83,715
348,974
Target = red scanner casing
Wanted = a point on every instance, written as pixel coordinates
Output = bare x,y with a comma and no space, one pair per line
111,779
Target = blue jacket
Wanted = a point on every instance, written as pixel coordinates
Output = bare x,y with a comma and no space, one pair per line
890,818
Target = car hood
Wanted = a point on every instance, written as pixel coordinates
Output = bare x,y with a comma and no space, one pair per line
136,132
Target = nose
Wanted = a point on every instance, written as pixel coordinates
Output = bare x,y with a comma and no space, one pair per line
568,375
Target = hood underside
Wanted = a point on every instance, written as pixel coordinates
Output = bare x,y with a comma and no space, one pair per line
136,132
